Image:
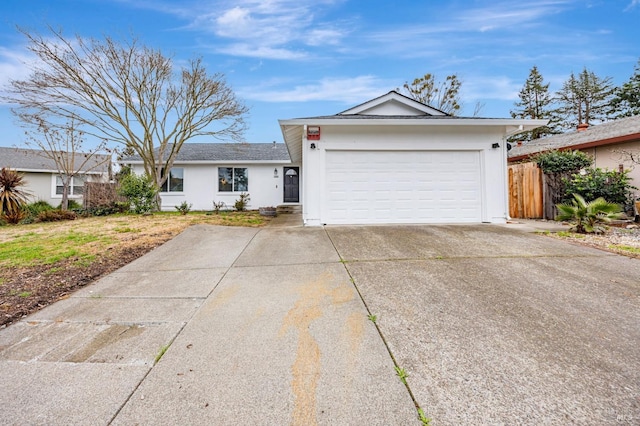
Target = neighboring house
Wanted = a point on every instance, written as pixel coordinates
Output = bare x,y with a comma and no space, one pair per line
43,178
206,172
603,142
396,160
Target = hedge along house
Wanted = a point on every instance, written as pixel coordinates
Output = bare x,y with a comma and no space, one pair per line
206,172
395,160
43,178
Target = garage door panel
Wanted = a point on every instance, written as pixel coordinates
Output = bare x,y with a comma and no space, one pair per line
402,187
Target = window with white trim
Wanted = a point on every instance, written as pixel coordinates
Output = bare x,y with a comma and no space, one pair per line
175,181
76,185
233,179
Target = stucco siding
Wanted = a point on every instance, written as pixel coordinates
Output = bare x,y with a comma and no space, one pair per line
201,186
408,138
40,187
610,157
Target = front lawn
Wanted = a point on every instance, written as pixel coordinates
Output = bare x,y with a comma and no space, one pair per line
43,262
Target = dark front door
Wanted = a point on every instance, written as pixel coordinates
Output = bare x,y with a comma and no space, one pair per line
291,185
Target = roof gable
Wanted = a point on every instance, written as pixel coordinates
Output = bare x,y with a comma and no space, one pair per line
393,104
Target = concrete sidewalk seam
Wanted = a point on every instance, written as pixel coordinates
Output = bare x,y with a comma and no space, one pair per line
419,410
184,324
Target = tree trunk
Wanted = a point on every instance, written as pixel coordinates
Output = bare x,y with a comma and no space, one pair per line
64,204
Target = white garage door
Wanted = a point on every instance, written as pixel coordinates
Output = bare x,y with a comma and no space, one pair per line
402,187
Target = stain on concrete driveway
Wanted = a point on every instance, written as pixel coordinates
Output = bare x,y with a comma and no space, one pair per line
498,326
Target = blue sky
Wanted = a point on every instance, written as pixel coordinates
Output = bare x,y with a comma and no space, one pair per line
297,58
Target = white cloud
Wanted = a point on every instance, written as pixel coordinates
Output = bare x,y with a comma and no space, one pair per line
13,64
253,51
485,88
456,28
272,29
633,4
345,90
509,15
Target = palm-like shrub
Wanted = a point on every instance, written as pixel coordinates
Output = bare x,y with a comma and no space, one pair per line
12,197
588,217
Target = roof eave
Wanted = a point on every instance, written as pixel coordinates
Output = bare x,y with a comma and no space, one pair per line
514,125
585,145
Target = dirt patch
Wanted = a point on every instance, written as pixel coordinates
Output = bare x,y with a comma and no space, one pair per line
27,290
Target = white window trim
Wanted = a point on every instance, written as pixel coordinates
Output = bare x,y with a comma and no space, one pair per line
54,185
232,177
170,193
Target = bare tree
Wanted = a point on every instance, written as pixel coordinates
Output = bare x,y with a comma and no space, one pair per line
441,95
64,147
126,93
629,155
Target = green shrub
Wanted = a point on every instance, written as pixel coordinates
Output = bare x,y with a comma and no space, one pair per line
242,202
611,185
139,191
72,205
217,206
184,208
588,217
56,215
33,209
552,162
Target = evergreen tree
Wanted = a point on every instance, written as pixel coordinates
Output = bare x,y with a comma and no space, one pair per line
534,103
626,99
584,99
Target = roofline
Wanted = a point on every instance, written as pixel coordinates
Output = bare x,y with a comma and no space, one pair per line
24,170
207,162
585,145
425,108
419,121
428,120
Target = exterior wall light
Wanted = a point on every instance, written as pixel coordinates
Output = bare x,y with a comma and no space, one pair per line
495,145
275,172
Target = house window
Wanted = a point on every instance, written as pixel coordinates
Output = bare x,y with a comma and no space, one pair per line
76,185
175,181
233,179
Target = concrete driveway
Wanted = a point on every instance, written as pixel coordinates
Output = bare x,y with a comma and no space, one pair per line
497,326
493,325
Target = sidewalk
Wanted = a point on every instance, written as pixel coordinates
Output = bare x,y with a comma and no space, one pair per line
249,326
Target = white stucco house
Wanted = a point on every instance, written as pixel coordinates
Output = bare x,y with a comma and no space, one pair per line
42,177
206,172
395,160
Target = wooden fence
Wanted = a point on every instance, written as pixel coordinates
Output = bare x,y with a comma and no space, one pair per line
526,199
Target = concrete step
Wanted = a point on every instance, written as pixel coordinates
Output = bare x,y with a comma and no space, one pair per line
289,208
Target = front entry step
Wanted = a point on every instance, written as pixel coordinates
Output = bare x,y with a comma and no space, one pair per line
289,208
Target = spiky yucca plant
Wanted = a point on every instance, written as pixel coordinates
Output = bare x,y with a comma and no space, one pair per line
588,217
12,197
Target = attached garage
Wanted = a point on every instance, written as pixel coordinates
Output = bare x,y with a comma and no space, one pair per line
395,160
402,187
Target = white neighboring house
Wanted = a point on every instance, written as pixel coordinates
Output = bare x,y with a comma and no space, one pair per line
206,172
395,160
43,178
